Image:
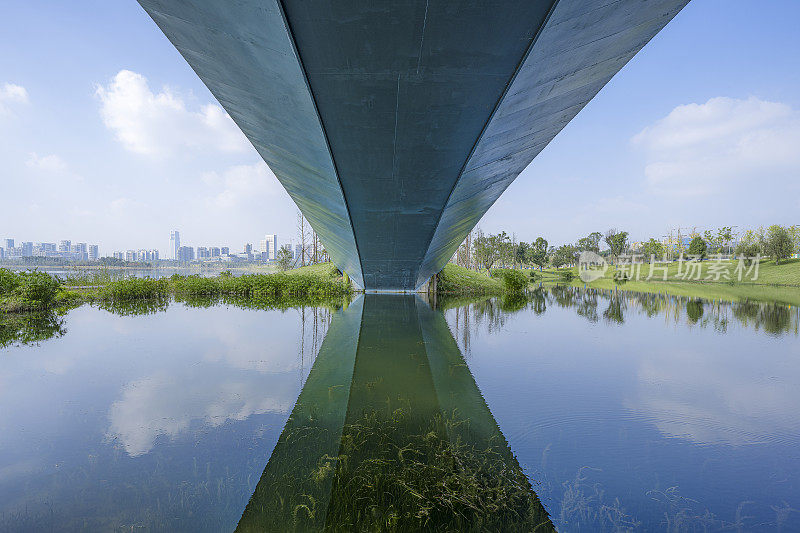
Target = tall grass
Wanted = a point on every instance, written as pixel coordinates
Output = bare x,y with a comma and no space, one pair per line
260,286
134,289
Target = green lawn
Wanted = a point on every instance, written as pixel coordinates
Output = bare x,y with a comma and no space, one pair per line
775,283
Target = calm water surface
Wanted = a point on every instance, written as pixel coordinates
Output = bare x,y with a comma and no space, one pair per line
573,410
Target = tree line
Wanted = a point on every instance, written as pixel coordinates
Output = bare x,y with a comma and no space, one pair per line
486,251
481,251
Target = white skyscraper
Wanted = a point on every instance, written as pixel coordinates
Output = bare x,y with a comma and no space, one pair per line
269,245
174,244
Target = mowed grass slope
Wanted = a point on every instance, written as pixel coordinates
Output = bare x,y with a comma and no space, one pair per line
454,279
775,283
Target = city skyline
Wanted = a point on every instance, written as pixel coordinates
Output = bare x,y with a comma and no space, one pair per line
99,251
180,251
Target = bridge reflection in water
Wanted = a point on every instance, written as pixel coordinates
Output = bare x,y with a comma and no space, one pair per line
391,432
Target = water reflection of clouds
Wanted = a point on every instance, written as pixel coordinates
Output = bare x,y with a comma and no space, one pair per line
171,404
706,398
223,374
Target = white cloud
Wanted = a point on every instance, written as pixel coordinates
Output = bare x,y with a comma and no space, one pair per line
12,94
702,149
160,124
707,400
243,184
46,163
164,405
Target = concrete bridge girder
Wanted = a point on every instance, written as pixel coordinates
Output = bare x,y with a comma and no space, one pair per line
394,126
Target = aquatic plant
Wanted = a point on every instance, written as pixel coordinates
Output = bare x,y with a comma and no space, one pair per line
27,291
134,289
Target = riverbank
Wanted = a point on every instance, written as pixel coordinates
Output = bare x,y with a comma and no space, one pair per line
33,291
457,280
774,283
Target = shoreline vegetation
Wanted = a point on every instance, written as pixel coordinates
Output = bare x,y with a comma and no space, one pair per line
35,291
776,283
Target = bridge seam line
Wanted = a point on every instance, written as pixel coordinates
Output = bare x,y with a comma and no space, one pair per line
324,133
502,97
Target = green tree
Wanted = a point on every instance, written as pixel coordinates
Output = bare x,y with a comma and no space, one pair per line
653,248
505,248
486,250
285,257
617,242
521,253
698,247
725,237
749,245
590,243
712,246
537,253
794,231
565,255
779,243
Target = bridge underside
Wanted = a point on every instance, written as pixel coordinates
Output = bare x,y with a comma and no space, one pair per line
394,126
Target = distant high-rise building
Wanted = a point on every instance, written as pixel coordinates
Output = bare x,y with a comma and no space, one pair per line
82,251
27,249
64,246
215,252
225,250
186,253
203,252
9,245
174,243
2,253
248,252
119,255
130,256
269,245
47,248
93,252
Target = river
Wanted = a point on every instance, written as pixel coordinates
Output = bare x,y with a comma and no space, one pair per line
569,409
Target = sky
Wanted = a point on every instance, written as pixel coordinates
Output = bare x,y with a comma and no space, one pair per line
108,137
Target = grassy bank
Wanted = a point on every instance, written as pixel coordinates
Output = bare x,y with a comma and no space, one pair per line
454,279
775,283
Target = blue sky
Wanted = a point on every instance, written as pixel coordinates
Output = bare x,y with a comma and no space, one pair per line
107,136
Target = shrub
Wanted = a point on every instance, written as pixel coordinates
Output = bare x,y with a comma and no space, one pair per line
514,281
135,289
27,291
8,281
566,275
196,285
698,247
37,288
